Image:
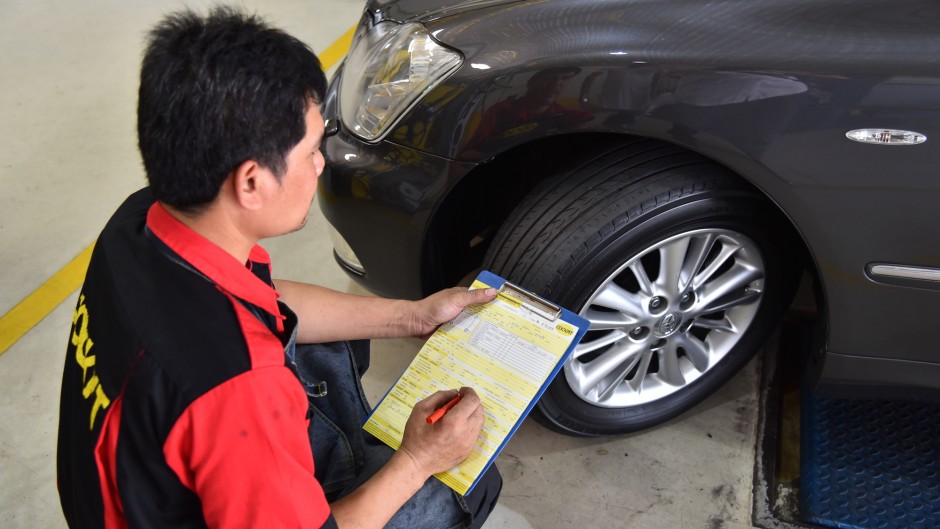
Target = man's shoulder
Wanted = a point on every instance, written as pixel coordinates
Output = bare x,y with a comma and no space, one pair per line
133,209
123,236
178,316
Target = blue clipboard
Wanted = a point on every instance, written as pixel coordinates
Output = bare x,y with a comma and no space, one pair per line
517,297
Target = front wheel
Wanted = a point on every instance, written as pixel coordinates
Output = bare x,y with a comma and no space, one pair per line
681,268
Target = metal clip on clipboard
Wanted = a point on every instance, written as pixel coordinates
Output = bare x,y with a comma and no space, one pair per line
532,302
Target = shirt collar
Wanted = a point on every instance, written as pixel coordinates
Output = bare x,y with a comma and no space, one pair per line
215,263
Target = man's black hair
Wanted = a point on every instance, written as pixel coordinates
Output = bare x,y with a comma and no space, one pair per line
216,91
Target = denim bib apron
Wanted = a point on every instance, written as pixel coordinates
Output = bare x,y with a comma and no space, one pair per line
338,409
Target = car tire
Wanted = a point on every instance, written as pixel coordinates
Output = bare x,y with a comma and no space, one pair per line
683,269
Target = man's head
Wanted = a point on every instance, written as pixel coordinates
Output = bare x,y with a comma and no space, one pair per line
216,91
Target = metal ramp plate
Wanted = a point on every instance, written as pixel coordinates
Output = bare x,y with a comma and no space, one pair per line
869,464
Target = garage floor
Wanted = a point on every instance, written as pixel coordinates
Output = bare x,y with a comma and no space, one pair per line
68,157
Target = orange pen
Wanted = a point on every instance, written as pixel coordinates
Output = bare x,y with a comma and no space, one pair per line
438,413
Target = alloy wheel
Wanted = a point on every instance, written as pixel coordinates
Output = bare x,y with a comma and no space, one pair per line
666,316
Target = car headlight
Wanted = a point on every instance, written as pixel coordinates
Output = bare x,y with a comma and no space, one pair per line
387,70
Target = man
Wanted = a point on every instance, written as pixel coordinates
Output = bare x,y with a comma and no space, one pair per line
183,401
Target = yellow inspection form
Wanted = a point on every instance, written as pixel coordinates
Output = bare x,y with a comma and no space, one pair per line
507,350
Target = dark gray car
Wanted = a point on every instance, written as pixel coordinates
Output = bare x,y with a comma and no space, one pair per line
668,169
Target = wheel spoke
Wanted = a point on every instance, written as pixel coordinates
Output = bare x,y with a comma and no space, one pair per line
699,249
584,348
723,324
614,296
636,382
672,257
695,350
619,360
603,320
727,252
734,279
646,286
609,385
669,370
742,297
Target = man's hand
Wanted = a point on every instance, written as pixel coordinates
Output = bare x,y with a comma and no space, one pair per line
440,446
326,315
443,306
425,450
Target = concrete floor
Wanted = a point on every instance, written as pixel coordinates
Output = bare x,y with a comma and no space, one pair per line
68,157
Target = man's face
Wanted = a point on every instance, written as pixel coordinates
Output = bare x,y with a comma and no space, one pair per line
298,184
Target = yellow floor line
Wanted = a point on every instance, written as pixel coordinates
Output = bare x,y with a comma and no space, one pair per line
336,51
44,300
36,306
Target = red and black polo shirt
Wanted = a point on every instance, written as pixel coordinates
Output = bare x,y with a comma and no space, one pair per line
178,409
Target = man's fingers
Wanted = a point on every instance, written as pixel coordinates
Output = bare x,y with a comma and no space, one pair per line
468,405
436,400
480,295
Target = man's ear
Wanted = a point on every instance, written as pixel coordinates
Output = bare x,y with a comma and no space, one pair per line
247,182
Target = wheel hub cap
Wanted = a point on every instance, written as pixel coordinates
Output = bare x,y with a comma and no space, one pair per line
669,324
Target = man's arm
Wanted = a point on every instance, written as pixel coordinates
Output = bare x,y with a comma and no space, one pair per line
426,449
327,315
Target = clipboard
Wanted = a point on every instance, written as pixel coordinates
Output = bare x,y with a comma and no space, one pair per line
530,301
508,350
